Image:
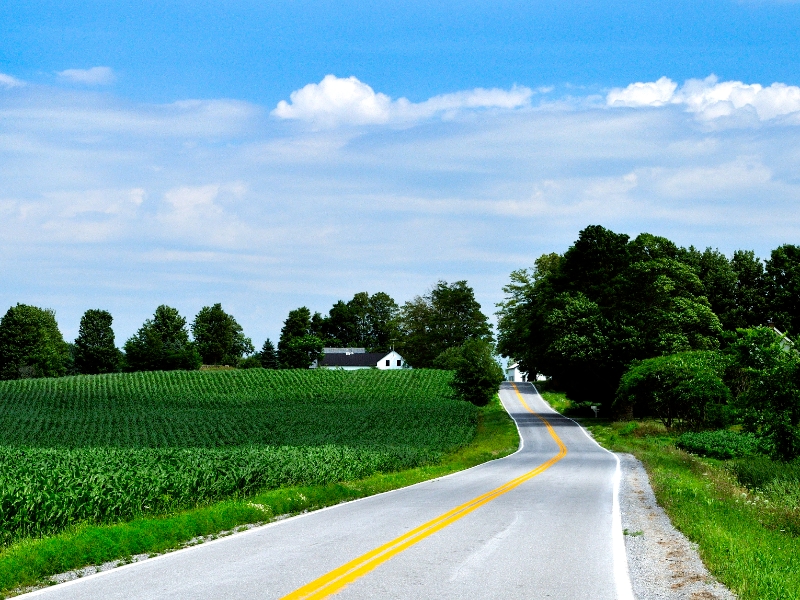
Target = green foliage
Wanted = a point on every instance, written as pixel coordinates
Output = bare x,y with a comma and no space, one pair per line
109,447
364,322
722,444
765,377
219,339
162,344
298,346
249,362
444,318
582,318
268,356
477,374
31,344
783,287
95,351
301,352
759,472
681,388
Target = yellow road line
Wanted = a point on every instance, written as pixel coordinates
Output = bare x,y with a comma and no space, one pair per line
334,581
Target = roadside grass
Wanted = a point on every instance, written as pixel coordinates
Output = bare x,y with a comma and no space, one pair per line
32,561
744,536
557,400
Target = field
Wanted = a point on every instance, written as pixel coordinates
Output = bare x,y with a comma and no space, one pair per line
111,448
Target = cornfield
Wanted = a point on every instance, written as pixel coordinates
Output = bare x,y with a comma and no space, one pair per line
113,447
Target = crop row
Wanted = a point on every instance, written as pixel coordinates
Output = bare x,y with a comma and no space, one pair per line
44,490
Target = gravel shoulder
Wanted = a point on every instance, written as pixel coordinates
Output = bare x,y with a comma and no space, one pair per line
663,563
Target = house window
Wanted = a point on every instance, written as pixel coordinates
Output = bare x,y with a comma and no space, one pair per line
399,363
387,362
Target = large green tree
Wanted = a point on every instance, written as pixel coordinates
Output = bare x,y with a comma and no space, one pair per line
783,287
95,350
583,317
162,344
31,344
220,340
445,317
298,346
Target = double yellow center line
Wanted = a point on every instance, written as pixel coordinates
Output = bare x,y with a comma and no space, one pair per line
332,582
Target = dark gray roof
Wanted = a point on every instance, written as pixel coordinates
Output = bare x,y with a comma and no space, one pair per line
360,359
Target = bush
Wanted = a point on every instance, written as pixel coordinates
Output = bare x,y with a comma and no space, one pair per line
686,387
722,444
477,374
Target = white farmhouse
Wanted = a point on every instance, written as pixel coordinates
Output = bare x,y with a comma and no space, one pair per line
514,374
351,359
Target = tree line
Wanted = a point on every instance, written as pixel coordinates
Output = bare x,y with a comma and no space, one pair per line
644,326
443,328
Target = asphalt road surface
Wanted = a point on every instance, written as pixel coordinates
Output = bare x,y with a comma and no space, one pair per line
542,523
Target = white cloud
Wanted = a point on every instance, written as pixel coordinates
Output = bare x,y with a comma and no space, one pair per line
93,76
336,100
711,99
654,93
8,82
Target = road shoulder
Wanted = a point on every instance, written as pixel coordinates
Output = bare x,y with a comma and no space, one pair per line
662,562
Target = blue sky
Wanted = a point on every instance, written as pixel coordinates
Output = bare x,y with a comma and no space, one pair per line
270,155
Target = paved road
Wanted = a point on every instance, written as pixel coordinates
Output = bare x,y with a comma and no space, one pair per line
553,532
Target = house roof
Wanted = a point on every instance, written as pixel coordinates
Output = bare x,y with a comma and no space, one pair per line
360,359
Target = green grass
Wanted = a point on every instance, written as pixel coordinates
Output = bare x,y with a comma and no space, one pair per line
743,537
558,401
29,561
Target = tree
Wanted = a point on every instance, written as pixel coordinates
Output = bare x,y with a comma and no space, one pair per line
162,344
446,317
685,388
95,351
31,344
750,293
297,346
220,340
301,352
582,318
365,322
268,356
765,378
477,375
783,287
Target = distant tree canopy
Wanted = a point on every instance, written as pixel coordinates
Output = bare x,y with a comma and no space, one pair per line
268,356
31,344
162,344
95,350
583,317
445,317
219,339
363,322
298,347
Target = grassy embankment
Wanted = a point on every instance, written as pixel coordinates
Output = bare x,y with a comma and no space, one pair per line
747,536
144,463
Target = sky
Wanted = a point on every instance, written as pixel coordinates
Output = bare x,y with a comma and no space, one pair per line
272,155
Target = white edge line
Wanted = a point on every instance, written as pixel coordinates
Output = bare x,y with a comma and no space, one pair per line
621,574
169,553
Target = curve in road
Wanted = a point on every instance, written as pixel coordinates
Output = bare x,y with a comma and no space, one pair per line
543,522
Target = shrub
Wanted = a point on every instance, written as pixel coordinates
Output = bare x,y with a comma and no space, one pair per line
477,374
722,444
